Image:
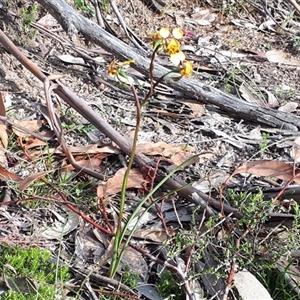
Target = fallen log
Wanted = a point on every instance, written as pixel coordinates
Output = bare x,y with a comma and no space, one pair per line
75,24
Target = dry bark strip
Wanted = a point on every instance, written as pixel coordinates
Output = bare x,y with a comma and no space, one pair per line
76,24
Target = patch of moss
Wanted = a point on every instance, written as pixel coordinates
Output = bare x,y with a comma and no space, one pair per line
168,287
32,264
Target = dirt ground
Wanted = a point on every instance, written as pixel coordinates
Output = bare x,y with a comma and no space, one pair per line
245,49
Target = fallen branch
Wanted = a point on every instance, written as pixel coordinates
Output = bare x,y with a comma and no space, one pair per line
76,24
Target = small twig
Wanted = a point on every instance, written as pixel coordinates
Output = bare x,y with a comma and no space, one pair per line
133,38
115,283
98,14
102,207
76,210
176,213
216,225
193,247
288,183
229,279
91,290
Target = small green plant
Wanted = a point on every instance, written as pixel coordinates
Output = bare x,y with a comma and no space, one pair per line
296,45
32,263
257,250
104,4
231,84
28,16
284,92
277,283
78,128
167,286
82,5
130,279
263,145
235,43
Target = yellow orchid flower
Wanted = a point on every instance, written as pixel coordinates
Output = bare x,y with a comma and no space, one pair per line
159,38
116,69
186,69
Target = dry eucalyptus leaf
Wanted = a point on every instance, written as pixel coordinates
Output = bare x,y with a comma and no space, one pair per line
21,284
3,131
198,109
93,163
48,21
149,291
32,125
9,176
141,219
114,184
271,168
289,107
136,262
204,17
88,247
32,178
71,59
63,225
158,236
163,148
272,100
268,25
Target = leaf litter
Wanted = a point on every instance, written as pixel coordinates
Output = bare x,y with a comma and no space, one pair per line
233,144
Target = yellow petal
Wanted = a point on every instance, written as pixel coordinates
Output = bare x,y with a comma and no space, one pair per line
177,58
187,69
164,32
173,47
127,63
112,68
177,33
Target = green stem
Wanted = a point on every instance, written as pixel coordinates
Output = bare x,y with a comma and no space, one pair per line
118,239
